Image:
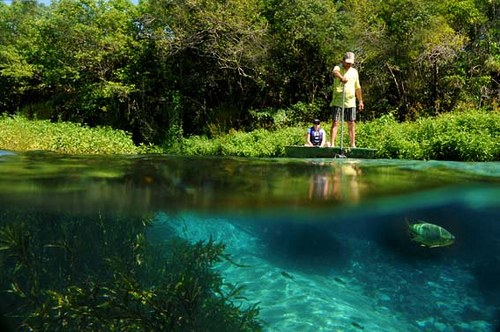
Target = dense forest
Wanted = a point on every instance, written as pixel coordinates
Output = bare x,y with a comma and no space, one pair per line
164,69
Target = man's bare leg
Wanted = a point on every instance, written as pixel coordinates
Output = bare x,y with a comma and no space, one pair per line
351,127
333,132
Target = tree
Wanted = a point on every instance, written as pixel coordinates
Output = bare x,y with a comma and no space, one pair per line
82,47
407,48
213,51
440,45
17,74
308,38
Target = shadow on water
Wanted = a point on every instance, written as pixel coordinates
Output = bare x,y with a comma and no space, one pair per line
5,325
308,247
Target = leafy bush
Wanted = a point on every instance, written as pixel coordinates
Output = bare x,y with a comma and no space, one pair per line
299,113
459,136
20,134
269,118
194,146
305,113
470,136
390,138
258,143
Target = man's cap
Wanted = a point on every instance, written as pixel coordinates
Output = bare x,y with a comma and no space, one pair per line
349,57
316,121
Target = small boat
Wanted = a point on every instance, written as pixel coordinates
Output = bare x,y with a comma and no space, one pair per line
302,151
6,153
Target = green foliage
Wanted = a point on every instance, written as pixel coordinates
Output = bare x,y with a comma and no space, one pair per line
258,143
299,113
470,136
19,134
460,136
82,272
89,43
307,39
16,71
166,69
215,52
390,138
413,50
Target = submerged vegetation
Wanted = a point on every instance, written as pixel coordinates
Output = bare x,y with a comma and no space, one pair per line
102,273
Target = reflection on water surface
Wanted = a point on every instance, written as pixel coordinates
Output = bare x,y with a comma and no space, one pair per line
320,245
151,183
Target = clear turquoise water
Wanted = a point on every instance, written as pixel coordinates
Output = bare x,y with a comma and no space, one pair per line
325,241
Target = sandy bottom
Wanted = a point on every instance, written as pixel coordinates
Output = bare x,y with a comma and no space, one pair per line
365,295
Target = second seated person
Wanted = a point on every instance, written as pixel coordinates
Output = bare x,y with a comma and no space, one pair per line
316,135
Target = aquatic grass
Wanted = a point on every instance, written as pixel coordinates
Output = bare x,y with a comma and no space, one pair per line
101,273
258,143
20,134
467,136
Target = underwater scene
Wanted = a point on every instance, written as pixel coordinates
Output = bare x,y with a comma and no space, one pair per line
168,243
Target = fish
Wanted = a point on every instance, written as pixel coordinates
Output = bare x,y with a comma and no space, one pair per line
358,326
287,275
340,281
430,235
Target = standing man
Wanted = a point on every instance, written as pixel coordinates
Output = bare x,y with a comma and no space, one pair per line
346,77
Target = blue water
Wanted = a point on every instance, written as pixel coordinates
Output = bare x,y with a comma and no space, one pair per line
325,242
368,255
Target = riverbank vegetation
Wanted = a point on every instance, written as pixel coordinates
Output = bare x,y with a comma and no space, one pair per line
458,136
20,134
164,71
246,77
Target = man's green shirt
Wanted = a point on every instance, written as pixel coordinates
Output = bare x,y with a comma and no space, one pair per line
350,87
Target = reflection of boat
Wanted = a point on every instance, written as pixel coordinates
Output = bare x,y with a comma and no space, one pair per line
300,151
6,153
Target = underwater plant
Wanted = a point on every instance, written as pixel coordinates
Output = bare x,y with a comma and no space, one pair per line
101,273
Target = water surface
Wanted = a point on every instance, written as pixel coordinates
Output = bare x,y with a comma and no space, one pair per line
324,242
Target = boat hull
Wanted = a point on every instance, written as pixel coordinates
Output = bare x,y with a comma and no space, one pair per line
299,151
